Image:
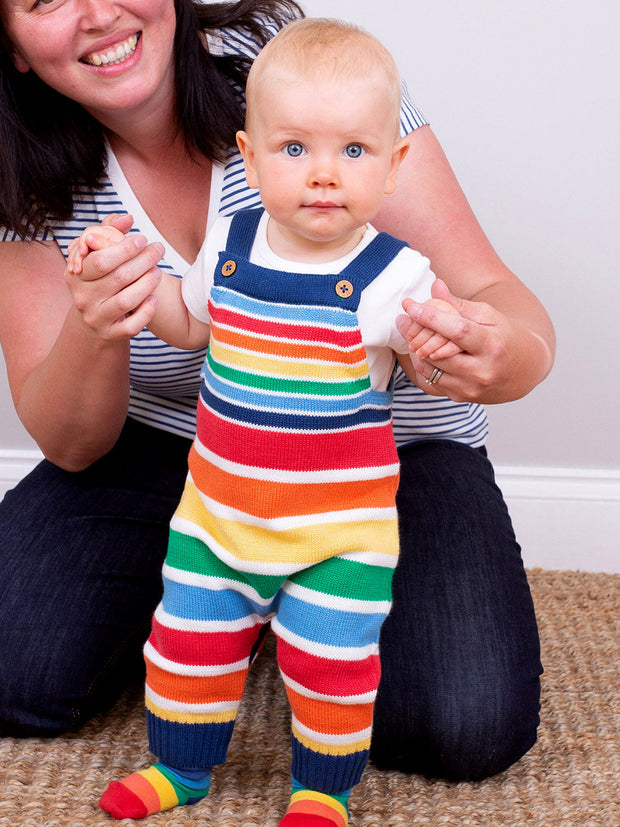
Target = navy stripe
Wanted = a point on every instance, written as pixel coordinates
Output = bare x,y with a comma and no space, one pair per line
291,422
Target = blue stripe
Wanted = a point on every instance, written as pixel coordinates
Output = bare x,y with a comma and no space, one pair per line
200,603
329,626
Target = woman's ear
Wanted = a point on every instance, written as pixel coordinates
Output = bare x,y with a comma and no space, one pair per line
247,152
18,60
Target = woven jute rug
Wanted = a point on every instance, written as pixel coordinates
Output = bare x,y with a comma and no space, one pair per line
571,778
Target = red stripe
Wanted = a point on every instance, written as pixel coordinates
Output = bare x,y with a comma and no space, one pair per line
202,648
329,677
284,330
360,448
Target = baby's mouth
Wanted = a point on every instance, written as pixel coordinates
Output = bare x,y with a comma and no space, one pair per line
113,56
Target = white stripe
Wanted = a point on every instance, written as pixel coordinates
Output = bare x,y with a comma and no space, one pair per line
300,477
205,581
323,650
371,558
327,738
330,601
365,698
184,624
192,669
178,706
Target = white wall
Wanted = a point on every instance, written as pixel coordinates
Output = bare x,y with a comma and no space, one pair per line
523,97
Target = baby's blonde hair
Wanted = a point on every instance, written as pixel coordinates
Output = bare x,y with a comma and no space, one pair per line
321,48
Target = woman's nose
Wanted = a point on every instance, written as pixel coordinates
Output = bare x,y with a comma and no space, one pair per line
98,14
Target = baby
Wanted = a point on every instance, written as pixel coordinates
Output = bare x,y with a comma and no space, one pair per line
288,515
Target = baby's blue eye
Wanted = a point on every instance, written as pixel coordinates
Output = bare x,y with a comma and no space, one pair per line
354,151
294,150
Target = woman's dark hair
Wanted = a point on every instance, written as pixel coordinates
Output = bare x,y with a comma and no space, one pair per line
49,144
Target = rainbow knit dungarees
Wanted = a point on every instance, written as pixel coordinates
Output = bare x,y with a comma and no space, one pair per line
287,516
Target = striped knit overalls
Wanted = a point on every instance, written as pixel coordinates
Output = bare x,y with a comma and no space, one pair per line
287,516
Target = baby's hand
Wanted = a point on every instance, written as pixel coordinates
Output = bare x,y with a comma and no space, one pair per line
426,343
93,238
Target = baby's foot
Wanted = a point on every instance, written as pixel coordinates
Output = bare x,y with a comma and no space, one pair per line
151,791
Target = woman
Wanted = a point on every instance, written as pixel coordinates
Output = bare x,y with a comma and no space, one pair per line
143,116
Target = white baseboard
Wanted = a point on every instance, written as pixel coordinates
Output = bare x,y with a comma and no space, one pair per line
564,518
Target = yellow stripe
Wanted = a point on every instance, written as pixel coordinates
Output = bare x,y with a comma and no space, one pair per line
191,717
331,749
298,546
324,371
167,796
305,795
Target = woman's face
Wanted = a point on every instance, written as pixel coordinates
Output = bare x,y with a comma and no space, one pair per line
111,56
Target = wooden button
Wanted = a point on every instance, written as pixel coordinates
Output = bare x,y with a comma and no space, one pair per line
344,289
229,267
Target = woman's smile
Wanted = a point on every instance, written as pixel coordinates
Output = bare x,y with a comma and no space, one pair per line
114,55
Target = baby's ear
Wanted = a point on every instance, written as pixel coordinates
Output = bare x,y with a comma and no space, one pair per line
399,150
246,149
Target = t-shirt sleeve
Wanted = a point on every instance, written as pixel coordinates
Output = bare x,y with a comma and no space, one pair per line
198,280
410,116
414,282
409,275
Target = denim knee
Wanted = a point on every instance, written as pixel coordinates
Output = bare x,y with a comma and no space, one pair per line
464,739
44,698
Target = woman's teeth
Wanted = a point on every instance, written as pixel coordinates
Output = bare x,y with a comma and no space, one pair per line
117,55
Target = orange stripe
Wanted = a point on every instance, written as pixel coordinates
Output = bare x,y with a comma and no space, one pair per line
290,349
193,689
330,718
316,808
145,791
273,499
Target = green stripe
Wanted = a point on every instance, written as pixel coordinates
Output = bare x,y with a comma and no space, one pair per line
288,386
192,555
347,578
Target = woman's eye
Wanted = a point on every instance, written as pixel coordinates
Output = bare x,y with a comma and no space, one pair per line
294,150
354,151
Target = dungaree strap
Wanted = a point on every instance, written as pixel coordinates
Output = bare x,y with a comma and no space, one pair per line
242,231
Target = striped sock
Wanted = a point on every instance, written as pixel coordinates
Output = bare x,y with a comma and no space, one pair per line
309,808
151,791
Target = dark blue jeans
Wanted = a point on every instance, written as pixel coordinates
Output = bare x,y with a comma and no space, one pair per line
80,563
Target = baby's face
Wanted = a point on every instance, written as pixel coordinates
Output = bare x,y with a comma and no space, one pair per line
323,152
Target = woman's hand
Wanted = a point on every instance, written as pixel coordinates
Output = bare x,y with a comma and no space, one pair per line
112,279
469,343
